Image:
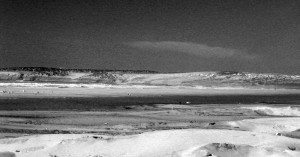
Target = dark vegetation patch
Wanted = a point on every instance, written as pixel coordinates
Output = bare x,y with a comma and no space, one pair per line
228,73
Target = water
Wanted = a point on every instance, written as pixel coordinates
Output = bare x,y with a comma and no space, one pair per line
108,103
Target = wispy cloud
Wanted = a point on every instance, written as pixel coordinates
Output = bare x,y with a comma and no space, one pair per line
191,48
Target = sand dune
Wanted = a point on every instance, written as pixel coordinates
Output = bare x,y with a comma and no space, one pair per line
176,143
258,139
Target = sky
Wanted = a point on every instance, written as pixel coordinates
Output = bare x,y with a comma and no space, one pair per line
160,35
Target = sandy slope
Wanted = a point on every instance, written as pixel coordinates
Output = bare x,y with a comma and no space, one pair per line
258,139
181,143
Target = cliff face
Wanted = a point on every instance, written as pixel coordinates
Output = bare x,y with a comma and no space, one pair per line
127,77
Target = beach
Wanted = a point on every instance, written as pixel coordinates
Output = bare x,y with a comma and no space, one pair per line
149,121
68,90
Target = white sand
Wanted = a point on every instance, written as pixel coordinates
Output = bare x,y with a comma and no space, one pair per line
268,125
276,111
260,140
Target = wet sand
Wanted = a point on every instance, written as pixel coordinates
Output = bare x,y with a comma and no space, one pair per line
122,119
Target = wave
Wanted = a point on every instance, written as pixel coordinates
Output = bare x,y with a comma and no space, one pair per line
276,111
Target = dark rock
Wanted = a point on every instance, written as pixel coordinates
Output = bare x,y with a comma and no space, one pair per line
212,123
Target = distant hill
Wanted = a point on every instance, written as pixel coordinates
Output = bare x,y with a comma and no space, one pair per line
63,71
146,77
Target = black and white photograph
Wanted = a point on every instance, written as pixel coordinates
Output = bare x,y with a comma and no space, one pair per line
149,78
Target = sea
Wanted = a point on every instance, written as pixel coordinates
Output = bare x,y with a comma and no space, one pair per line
110,103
